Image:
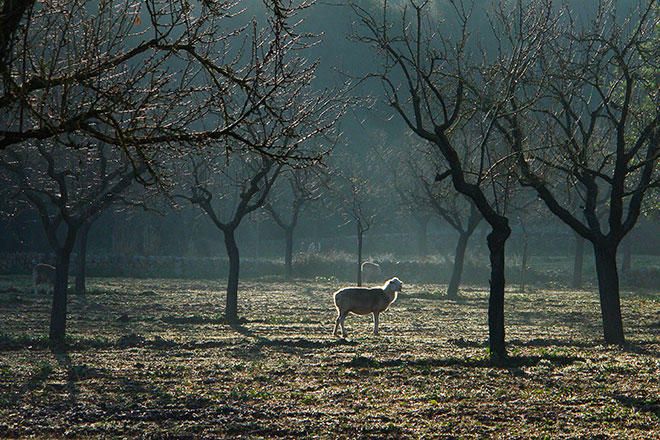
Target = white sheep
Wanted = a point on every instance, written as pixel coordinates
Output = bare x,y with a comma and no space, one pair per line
365,300
43,274
370,272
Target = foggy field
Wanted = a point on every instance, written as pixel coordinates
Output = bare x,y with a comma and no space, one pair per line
153,358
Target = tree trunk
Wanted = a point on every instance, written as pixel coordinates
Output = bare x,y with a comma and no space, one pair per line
231,308
288,253
608,288
496,241
81,263
58,311
422,237
523,263
626,264
457,271
578,262
359,261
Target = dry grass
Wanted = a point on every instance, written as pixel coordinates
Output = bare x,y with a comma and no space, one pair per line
171,367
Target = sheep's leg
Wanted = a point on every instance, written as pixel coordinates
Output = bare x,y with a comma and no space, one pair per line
375,323
337,323
342,318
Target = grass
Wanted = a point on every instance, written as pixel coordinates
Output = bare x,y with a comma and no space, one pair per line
171,366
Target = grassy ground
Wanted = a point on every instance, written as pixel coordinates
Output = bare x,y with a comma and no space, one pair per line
152,358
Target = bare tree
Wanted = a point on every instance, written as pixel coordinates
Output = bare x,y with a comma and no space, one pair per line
430,84
148,81
78,85
227,190
354,196
271,122
527,210
463,216
81,257
428,190
578,262
69,185
96,71
597,127
298,188
141,76
132,198
11,16
407,184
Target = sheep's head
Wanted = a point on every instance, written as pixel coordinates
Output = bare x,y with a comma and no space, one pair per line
394,285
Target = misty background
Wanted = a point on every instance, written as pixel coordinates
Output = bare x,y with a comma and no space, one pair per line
175,239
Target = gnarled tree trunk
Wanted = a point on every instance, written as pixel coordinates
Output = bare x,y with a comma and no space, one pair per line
457,271
58,313
496,242
288,253
608,289
231,308
360,236
523,259
81,259
578,262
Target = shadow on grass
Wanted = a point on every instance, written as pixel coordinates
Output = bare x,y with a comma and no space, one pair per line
194,319
483,362
638,348
544,342
552,342
651,405
19,342
132,340
42,373
442,296
290,345
65,361
38,377
464,343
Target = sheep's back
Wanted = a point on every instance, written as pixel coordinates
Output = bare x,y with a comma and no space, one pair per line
360,300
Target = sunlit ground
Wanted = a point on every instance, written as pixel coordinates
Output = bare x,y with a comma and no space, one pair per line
153,358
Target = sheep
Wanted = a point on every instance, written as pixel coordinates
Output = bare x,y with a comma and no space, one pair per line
365,300
43,274
370,272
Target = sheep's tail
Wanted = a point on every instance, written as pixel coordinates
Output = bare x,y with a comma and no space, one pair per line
337,298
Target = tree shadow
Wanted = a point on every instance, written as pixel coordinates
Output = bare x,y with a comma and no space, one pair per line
646,405
632,347
43,372
550,342
464,343
512,362
37,379
240,327
134,399
293,345
572,319
131,340
20,342
302,343
64,360
193,319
